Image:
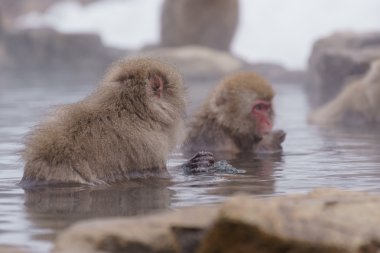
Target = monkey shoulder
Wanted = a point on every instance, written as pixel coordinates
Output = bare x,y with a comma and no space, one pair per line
206,134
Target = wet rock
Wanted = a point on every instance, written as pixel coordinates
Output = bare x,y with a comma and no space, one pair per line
325,220
199,22
178,231
357,104
337,59
46,56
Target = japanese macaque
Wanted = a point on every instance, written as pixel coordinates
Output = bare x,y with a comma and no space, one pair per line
124,130
357,104
237,117
210,23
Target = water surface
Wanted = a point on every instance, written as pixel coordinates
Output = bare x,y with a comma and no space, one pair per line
312,157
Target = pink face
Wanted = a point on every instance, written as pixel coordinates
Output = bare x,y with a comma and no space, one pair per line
262,113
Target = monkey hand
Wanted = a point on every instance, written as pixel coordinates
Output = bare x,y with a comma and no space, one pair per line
271,142
204,163
200,162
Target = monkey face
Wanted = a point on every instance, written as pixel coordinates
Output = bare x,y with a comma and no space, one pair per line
262,114
243,103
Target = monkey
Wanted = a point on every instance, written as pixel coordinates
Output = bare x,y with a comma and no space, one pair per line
236,117
210,23
357,104
124,130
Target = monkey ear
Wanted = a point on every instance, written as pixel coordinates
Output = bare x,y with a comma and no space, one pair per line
156,83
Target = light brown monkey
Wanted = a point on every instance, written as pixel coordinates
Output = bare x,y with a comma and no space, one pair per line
210,23
357,104
124,130
237,117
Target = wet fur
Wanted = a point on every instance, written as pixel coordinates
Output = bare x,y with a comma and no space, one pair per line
224,121
119,132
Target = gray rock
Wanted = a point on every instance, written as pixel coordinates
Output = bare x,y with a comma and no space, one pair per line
203,64
13,249
325,220
277,73
46,56
197,63
199,22
11,9
337,59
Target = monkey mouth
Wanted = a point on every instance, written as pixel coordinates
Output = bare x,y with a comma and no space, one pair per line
266,126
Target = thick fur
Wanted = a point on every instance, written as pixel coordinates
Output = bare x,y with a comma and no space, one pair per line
210,23
224,122
119,132
357,104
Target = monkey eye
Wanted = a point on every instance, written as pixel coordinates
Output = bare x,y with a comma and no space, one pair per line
261,107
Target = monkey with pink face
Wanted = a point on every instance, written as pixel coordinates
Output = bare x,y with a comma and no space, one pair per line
122,131
236,117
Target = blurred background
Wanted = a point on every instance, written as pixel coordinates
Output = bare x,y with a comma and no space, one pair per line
67,42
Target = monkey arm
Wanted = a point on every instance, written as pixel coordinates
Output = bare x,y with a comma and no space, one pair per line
204,162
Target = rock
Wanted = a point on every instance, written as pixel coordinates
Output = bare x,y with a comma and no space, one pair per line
197,63
199,22
178,231
357,104
13,249
44,54
11,9
325,220
203,64
336,59
321,221
277,73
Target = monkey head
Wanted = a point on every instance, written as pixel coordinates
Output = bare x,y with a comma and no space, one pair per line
149,91
243,104
148,86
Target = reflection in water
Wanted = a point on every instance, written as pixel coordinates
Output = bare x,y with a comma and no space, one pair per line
313,157
56,208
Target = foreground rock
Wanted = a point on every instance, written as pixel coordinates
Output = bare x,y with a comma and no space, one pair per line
203,64
178,231
321,221
337,59
199,22
357,104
